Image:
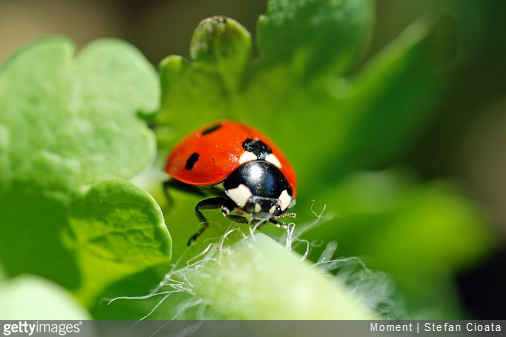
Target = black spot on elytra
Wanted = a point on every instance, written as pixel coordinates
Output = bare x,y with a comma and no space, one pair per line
257,147
190,162
211,129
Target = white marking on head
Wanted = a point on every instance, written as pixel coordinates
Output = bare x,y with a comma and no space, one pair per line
258,208
246,157
285,199
273,160
272,210
240,195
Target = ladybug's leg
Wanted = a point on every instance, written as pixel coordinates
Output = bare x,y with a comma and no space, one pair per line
237,218
206,204
211,203
278,223
228,206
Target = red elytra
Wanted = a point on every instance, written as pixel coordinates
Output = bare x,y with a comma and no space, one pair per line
214,151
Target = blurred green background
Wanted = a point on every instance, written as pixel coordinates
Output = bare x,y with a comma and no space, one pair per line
465,140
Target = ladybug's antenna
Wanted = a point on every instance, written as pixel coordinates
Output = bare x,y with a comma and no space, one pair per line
291,215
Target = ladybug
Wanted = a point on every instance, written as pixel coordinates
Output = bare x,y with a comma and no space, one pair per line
246,174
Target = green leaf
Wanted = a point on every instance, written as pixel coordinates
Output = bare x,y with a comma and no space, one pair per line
381,109
30,297
221,82
221,45
314,37
256,278
69,121
201,91
30,236
117,230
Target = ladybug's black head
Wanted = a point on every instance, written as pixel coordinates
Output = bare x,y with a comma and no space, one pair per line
259,188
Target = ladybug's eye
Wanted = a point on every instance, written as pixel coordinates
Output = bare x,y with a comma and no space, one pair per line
263,208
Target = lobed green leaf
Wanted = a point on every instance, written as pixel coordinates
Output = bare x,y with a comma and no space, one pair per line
117,229
69,121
